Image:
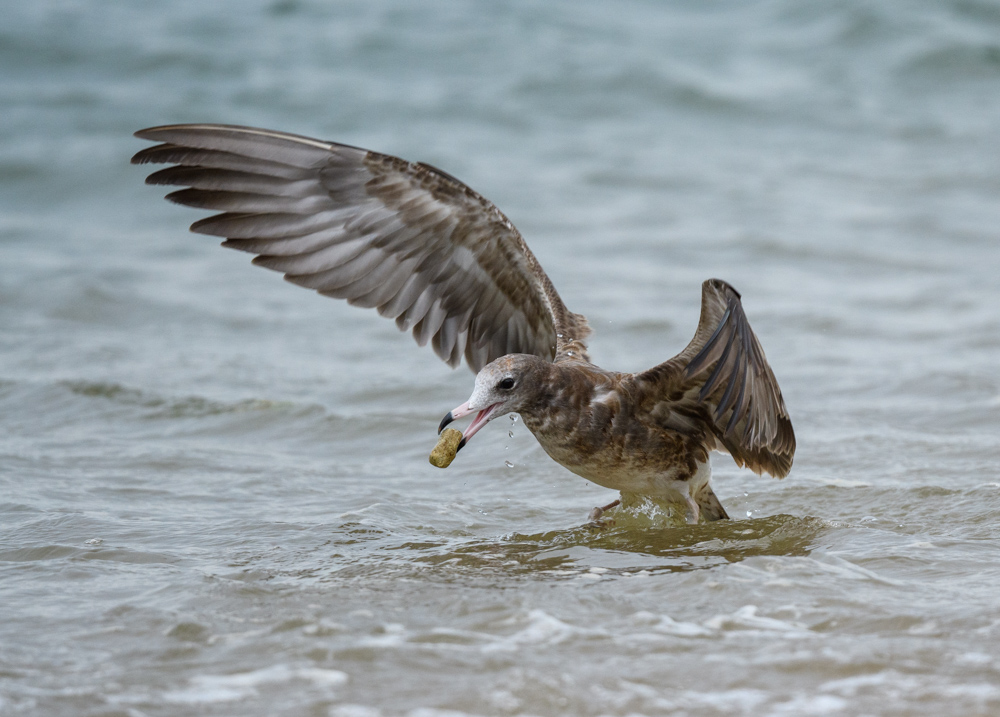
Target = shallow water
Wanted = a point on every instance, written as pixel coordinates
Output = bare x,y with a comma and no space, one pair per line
214,489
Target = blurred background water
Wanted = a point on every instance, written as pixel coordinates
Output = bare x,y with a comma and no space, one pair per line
214,489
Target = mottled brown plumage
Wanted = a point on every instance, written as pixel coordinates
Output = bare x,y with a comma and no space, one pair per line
423,248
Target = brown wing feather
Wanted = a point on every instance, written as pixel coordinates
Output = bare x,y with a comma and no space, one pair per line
406,239
723,378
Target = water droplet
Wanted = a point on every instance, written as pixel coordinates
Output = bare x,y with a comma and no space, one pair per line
745,494
558,336
749,513
508,464
510,434
513,418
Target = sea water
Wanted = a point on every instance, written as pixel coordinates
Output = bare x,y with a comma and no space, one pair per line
214,490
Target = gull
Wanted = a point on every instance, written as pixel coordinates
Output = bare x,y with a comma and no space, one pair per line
421,247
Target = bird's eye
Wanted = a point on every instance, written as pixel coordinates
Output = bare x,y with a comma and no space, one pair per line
506,384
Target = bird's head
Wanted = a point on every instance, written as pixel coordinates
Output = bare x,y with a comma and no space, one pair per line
510,384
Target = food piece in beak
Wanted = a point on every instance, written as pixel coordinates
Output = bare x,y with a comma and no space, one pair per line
446,448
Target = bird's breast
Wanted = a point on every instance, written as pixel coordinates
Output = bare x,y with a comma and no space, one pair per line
602,440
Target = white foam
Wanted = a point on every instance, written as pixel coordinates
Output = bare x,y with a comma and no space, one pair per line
974,658
730,702
393,635
845,568
668,626
205,689
746,618
354,711
811,705
878,682
542,629
979,691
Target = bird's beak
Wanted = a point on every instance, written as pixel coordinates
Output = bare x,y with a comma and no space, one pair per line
481,419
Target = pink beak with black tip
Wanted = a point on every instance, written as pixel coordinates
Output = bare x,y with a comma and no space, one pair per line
481,419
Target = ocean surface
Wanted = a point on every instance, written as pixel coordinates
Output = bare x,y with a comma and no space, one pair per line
214,490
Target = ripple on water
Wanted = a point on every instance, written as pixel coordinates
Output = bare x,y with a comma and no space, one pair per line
210,689
42,553
587,552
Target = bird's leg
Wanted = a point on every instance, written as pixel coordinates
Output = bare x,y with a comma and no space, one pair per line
693,511
596,513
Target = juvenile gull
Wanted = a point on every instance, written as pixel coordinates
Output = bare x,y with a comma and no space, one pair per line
426,250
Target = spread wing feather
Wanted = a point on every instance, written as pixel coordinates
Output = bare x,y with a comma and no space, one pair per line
406,239
723,378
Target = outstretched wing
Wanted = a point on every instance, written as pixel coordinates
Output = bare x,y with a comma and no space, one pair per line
404,238
722,377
